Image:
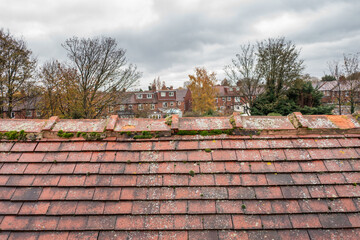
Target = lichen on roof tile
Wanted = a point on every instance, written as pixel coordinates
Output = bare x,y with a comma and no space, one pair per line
264,123
141,124
32,125
80,125
208,123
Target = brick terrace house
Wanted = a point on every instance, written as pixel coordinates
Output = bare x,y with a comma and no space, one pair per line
229,99
153,104
294,177
26,109
330,90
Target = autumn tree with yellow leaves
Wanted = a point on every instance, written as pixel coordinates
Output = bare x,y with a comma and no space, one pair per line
202,91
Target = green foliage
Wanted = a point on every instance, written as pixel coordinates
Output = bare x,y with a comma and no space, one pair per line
14,135
300,97
187,132
144,135
327,78
274,114
168,120
207,150
243,206
206,133
232,121
63,134
192,173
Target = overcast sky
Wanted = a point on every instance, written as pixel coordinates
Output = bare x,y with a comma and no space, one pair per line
169,38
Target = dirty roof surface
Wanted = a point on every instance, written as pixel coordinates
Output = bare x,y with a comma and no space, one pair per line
276,186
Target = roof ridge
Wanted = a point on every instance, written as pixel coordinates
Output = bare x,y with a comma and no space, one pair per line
144,128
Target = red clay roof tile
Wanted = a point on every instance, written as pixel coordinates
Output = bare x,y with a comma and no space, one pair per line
279,185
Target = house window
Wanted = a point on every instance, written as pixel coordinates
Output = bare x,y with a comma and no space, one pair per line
163,94
152,106
38,114
237,99
172,104
122,107
12,115
229,99
28,113
139,96
224,99
165,104
149,96
111,108
140,107
230,89
237,89
130,107
179,103
171,94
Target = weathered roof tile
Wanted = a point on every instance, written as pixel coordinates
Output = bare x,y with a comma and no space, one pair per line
279,185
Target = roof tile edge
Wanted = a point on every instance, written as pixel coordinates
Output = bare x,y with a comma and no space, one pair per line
297,120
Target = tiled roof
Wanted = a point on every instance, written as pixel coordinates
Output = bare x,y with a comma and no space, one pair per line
294,177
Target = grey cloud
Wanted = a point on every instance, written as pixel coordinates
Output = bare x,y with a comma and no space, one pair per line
179,35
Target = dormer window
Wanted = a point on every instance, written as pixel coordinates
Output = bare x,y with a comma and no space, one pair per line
163,94
171,94
149,96
139,96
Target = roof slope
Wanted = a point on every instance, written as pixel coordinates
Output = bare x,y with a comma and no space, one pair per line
284,186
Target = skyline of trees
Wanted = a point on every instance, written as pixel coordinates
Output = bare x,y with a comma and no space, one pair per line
98,71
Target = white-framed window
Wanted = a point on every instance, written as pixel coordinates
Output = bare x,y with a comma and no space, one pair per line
224,99
172,104
12,114
139,96
28,113
171,94
237,99
229,99
140,107
237,89
179,103
122,107
149,95
164,104
230,89
152,106
38,114
130,106
163,94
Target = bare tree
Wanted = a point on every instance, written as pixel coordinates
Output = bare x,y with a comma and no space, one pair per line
278,64
335,71
103,71
16,67
351,68
347,77
60,95
243,73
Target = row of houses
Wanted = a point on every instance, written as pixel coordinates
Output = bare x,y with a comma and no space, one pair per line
335,90
151,104
159,103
